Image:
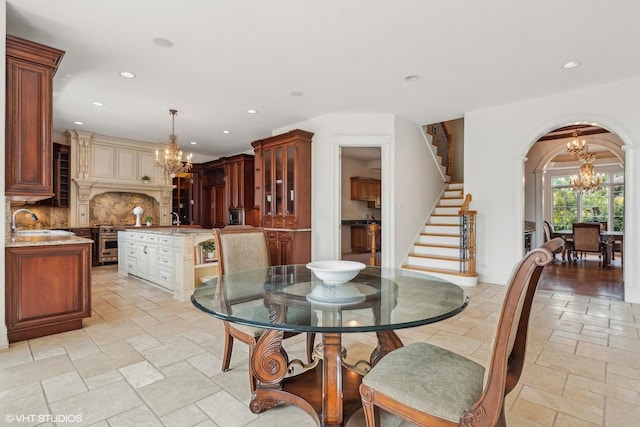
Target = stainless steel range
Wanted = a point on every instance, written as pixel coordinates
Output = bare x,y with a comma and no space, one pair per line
107,244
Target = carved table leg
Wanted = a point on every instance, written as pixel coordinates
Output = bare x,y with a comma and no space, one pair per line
332,411
387,341
268,364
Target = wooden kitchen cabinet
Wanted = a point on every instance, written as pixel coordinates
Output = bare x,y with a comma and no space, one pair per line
361,239
289,246
284,179
365,189
183,198
29,96
61,175
47,288
282,174
239,181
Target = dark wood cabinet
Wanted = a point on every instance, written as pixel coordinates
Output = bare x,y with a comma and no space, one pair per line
282,173
289,246
61,175
239,181
183,198
28,149
47,289
361,238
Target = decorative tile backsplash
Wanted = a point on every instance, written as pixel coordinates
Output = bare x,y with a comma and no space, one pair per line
108,208
117,208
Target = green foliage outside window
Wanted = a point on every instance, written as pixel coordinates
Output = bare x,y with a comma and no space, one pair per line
594,206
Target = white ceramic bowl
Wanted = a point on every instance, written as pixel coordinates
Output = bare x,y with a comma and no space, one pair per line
335,272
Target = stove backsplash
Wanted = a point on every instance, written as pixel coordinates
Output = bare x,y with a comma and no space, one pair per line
116,208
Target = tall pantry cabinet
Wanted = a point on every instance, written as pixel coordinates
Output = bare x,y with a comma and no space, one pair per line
282,168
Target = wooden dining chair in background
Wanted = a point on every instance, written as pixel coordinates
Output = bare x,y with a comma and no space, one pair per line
240,248
586,238
548,235
432,386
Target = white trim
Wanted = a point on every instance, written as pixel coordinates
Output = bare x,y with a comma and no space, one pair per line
385,143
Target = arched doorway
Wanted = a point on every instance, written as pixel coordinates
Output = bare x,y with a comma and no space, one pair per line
551,197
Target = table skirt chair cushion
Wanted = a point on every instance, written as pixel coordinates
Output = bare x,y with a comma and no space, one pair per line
442,383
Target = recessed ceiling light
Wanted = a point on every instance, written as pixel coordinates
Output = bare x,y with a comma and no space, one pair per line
252,111
127,75
193,143
296,93
78,123
97,104
412,78
159,41
570,64
226,132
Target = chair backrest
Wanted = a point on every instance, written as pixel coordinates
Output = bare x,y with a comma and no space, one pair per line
510,341
586,236
548,230
241,247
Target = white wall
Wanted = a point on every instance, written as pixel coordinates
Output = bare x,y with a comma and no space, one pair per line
496,142
402,147
417,186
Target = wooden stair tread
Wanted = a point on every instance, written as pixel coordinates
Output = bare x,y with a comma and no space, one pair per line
440,234
436,245
438,270
440,257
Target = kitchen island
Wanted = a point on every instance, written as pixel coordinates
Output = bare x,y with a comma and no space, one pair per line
47,283
170,258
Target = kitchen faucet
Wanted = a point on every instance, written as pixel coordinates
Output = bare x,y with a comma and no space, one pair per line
177,221
14,227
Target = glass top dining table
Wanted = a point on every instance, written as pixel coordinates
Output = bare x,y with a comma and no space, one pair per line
290,298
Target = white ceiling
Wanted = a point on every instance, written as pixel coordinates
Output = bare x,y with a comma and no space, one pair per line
344,56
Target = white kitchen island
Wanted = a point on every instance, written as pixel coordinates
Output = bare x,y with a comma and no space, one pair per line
167,257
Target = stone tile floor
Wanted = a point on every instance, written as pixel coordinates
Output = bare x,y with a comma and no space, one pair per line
145,359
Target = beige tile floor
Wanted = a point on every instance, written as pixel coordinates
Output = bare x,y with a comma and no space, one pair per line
144,359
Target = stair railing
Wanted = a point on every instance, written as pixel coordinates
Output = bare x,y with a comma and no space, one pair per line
441,138
467,237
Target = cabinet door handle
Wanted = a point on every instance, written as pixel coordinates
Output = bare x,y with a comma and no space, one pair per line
145,249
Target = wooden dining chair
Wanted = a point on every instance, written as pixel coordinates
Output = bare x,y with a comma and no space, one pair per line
586,238
432,386
240,248
548,235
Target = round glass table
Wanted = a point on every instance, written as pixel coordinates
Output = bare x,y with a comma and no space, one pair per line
290,298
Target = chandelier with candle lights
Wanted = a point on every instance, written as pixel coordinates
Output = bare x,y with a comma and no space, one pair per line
172,162
587,181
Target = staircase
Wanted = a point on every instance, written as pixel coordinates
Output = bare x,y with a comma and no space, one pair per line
438,250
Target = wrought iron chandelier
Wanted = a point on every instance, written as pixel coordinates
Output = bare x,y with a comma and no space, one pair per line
587,181
172,160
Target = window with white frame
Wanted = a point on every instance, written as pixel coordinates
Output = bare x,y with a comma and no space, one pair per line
604,205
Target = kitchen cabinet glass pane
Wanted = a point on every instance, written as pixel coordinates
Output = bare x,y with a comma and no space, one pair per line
279,181
290,180
267,182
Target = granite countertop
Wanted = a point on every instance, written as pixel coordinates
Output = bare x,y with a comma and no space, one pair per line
167,230
21,241
360,222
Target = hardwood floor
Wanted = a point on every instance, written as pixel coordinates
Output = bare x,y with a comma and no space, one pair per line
584,278
581,278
